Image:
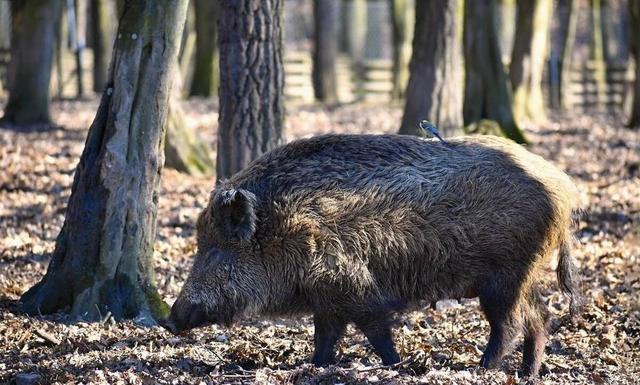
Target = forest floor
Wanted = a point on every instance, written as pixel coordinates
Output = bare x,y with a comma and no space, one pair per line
441,346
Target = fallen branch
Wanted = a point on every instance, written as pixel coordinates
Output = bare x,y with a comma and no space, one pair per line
47,336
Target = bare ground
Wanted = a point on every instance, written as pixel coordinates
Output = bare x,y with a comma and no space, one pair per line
441,346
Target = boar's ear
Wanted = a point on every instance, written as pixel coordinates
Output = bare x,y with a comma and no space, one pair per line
235,211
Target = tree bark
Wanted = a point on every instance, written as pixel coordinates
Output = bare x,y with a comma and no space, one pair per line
184,150
528,58
78,37
402,22
29,75
634,16
102,262
206,74
436,67
101,43
251,120
486,86
325,50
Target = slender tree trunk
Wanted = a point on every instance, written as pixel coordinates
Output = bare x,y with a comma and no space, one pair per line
79,21
597,52
528,58
102,261
486,86
569,24
184,150
355,22
101,43
325,50
32,43
402,22
206,73
436,67
634,16
251,120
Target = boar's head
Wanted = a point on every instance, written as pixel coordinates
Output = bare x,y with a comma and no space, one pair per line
227,276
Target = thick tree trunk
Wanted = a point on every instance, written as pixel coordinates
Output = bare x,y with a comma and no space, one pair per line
102,262
325,50
436,69
402,22
528,58
634,16
101,43
251,120
568,24
206,73
184,150
32,43
486,86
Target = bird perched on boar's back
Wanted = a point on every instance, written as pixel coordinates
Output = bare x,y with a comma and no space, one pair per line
353,228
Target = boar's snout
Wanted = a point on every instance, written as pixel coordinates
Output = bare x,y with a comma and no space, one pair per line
185,316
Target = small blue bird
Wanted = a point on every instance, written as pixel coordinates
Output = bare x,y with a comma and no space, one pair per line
427,126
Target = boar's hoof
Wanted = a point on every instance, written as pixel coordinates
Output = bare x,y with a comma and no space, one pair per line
169,325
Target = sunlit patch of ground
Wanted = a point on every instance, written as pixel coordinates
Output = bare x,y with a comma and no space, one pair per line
440,346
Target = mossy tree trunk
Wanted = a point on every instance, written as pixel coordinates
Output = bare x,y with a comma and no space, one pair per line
402,22
251,120
436,68
528,58
102,262
184,150
325,50
101,42
29,75
487,93
206,73
634,22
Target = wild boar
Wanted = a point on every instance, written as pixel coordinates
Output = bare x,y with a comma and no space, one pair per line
353,228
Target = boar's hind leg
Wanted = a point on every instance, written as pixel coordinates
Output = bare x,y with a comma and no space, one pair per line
377,329
499,300
536,318
328,329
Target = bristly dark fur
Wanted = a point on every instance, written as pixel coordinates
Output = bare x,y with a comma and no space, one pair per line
354,227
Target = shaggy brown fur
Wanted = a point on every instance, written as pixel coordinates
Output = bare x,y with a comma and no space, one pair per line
353,228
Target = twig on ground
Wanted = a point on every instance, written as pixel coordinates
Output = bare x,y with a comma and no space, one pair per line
47,336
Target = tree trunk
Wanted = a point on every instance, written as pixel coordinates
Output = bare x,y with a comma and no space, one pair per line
184,150
634,15
32,43
77,30
528,58
206,73
486,85
101,43
251,120
402,22
436,65
568,24
597,53
355,23
325,50
102,262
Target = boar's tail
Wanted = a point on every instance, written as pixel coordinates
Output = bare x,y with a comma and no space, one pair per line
568,278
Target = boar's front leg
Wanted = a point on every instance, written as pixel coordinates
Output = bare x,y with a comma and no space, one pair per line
377,329
328,329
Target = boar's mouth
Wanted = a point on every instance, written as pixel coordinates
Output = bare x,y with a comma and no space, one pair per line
184,319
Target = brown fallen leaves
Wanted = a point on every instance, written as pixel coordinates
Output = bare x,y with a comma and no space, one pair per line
440,346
